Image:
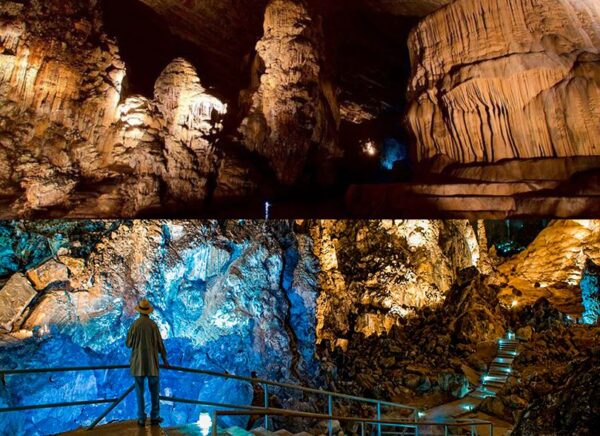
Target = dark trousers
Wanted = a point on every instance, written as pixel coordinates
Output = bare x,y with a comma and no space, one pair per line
154,392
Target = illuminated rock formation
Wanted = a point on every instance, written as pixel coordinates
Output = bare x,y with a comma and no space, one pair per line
60,83
293,113
396,308
190,117
504,79
571,409
379,272
63,129
231,296
590,292
552,266
15,296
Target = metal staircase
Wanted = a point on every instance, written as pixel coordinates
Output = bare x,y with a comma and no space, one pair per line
500,369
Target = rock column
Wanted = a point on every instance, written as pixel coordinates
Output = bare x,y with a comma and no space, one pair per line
293,114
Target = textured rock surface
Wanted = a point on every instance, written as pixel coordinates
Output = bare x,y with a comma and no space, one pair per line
504,79
391,309
65,130
431,354
190,117
293,111
552,266
47,274
15,296
573,408
375,273
590,292
231,296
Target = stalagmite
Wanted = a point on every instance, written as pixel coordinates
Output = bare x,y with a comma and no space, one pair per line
189,117
293,111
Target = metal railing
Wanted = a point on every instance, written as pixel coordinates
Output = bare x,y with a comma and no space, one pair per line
415,426
265,410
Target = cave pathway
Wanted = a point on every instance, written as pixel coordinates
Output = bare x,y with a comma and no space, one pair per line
491,383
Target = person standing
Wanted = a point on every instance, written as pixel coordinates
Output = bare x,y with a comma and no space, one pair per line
146,344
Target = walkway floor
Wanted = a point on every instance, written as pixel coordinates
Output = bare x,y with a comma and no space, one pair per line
125,428
492,382
130,428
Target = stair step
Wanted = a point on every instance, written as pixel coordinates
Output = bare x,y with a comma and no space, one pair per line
504,374
500,369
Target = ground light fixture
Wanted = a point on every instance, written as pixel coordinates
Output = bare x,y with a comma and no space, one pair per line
205,423
468,407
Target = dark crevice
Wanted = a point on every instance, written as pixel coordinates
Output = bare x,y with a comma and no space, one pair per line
147,46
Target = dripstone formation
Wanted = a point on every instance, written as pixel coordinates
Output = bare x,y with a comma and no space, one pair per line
505,79
269,100
293,114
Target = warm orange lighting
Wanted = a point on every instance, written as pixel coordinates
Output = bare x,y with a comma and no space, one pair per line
514,303
369,148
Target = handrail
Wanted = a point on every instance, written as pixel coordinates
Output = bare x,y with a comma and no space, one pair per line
56,405
379,422
214,374
65,369
261,410
291,386
111,407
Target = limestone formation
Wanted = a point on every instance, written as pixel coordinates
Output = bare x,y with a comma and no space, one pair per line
47,274
64,127
506,79
190,116
293,111
15,296
552,266
379,272
393,309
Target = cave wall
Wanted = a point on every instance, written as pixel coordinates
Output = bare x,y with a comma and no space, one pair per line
504,79
304,301
375,273
67,127
552,266
234,297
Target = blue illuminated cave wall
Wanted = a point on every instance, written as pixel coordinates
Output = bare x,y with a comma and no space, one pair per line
231,297
392,152
590,292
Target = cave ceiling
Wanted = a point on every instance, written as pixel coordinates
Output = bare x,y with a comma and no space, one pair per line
372,32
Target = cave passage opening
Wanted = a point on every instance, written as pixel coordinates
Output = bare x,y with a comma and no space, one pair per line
371,67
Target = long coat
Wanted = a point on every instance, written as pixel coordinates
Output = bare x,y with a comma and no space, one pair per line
146,343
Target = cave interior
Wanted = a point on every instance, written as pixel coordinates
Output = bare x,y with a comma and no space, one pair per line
411,311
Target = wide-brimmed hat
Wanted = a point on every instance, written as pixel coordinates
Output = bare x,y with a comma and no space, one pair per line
144,307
